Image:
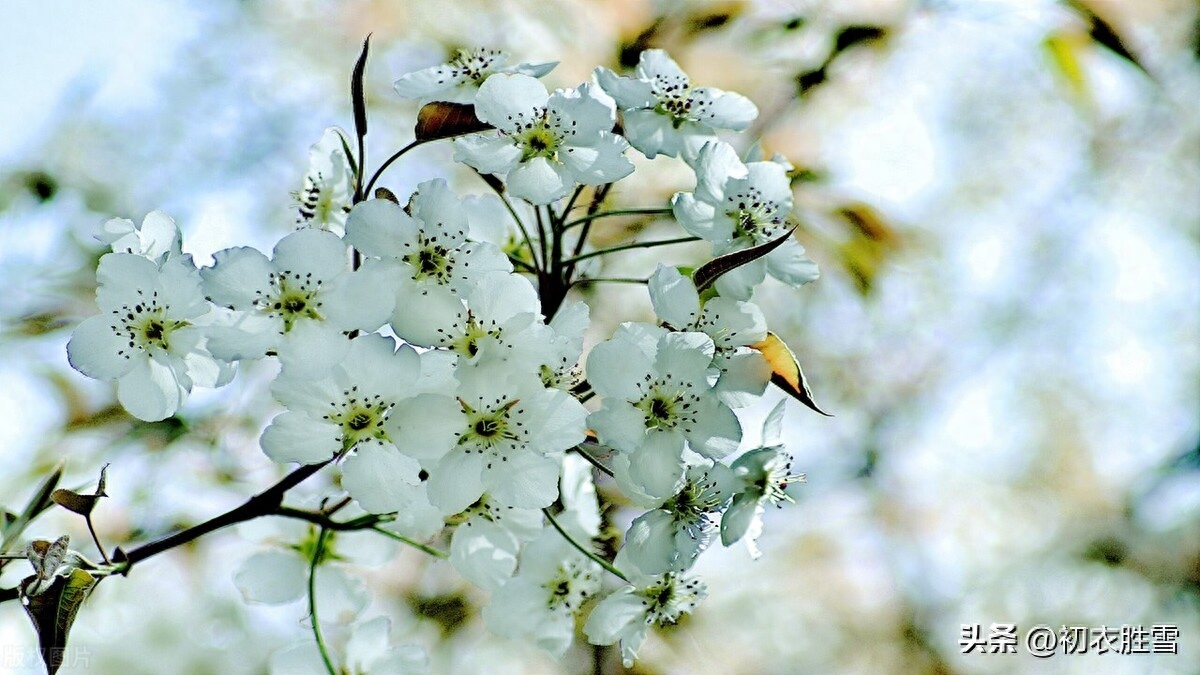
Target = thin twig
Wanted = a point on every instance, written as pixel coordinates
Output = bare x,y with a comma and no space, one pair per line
318,554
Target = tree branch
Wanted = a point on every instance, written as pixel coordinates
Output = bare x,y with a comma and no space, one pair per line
264,503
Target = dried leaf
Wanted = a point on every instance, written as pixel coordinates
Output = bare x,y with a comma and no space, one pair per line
45,557
357,98
785,371
1103,33
81,504
53,611
708,273
384,193
441,119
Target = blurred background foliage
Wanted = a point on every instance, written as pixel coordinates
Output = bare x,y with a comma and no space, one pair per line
1002,196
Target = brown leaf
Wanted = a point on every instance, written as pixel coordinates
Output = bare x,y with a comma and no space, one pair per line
441,119
785,371
708,273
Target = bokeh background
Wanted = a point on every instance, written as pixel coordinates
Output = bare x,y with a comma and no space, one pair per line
1005,208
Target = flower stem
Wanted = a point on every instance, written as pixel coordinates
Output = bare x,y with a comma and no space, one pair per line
571,540
417,545
388,162
636,244
318,553
592,460
620,212
609,280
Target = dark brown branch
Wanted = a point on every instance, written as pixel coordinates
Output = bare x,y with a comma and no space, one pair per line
264,503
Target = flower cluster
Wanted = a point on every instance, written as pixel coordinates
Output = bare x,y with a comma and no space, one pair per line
431,349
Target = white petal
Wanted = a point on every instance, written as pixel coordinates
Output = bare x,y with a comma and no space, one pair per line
379,227
95,349
555,420
362,299
296,437
485,554
311,348
717,164
742,511
151,391
657,467
237,276
655,63
525,481
650,542
587,112
319,252
506,99
699,218
789,264
487,152
722,109
619,424
427,426
428,81
340,596
598,163
614,368
540,181
272,577
739,283
651,133
674,297
456,482
627,91
717,430
376,473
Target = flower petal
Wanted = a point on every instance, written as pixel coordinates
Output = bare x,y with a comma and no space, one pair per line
540,180
296,437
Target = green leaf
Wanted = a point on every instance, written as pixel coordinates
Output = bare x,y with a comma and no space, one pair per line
785,371
442,119
39,502
357,98
348,152
708,273
53,612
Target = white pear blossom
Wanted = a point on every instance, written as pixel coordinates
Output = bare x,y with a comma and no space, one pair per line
762,476
656,397
546,143
328,186
733,325
485,545
542,601
736,206
560,360
664,114
149,335
627,614
512,434
157,238
671,536
369,650
354,408
299,305
278,574
458,80
436,264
